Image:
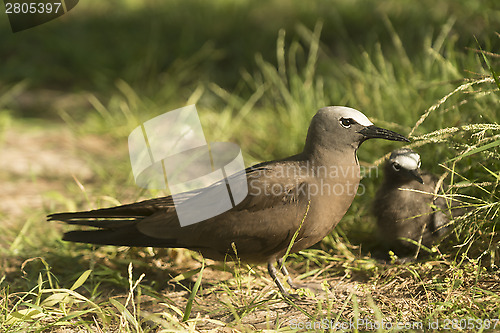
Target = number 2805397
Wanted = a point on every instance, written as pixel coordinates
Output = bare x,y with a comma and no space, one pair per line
32,8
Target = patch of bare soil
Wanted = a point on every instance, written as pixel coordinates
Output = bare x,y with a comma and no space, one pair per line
36,160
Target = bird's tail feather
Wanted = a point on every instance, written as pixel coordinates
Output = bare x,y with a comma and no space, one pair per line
95,221
117,237
114,217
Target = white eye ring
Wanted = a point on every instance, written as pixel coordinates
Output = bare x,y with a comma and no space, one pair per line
346,122
396,166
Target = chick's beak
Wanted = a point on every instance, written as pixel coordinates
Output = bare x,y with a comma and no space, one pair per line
416,175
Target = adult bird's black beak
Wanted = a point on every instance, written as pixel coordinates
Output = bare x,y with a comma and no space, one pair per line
373,131
416,175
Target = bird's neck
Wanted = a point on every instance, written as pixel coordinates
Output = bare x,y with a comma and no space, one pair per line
333,165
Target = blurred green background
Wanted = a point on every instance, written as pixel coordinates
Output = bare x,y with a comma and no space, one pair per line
165,49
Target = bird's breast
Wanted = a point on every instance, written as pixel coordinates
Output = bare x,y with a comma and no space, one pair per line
330,193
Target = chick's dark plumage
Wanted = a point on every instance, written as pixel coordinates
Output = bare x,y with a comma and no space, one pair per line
406,205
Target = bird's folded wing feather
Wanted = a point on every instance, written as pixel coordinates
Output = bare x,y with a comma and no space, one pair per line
274,205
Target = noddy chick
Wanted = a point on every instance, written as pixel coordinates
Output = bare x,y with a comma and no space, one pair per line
307,194
407,214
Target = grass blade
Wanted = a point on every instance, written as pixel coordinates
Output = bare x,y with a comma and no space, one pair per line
189,304
493,73
81,280
477,150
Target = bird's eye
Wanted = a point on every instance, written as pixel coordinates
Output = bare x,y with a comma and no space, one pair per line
396,166
346,122
418,166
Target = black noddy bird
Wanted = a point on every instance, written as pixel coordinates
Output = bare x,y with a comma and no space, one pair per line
304,195
401,213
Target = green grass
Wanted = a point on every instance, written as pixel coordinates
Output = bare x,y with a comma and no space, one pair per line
417,72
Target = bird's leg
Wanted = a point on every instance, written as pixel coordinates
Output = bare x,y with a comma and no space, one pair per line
315,287
273,272
288,278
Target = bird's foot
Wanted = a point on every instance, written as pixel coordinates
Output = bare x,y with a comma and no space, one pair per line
303,295
303,290
311,290
311,286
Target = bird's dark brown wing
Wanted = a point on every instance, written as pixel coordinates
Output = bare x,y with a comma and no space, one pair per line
266,218
124,215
